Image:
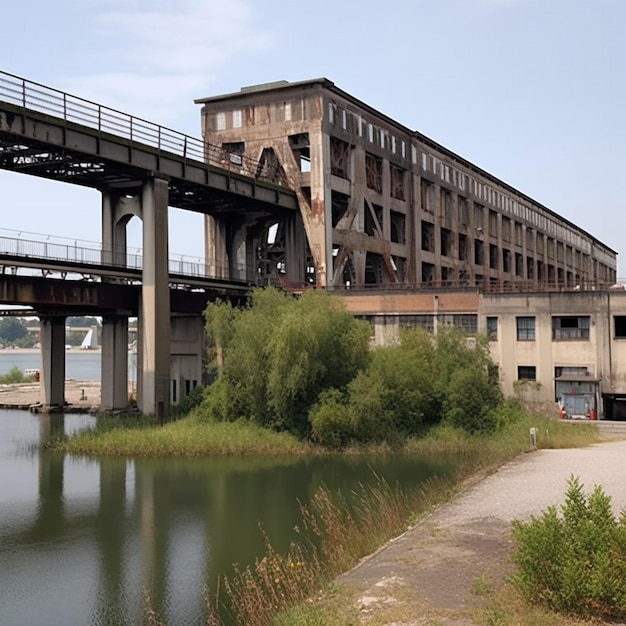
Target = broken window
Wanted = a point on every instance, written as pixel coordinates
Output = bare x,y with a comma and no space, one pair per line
519,264
479,252
462,247
397,182
428,196
374,172
447,274
493,256
446,241
398,227
373,215
526,372
339,157
493,224
339,206
463,211
232,153
428,237
428,272
446,208
506,260
566,327
399,265
301,150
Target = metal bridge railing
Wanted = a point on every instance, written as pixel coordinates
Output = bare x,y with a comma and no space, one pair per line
98,256
34,96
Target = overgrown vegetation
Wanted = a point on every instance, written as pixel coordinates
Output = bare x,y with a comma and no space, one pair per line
15,376
575,562
304,366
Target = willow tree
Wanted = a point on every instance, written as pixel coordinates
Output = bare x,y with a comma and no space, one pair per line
280,353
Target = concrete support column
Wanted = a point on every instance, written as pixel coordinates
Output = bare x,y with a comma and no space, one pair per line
114,227
52,381
155,299
215,247
114,394
295,249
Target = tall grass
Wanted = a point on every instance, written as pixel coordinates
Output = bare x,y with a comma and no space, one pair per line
15,376
187,437
337,532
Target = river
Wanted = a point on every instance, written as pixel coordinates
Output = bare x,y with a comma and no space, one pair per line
82,540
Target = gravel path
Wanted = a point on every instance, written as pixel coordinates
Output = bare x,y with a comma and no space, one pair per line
427,575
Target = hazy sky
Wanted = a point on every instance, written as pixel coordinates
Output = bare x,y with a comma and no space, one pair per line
533,91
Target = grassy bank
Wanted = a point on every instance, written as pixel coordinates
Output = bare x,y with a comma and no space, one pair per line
185,437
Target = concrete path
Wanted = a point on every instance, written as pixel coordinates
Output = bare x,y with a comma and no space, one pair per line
430,574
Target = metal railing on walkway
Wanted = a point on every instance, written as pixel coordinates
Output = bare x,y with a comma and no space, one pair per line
36,97
79,256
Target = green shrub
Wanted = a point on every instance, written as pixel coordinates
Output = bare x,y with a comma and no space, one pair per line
574,563
471,401
15,375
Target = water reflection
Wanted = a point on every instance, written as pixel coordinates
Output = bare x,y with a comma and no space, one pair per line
82,542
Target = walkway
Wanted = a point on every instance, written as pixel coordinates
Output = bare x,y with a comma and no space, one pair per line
429,575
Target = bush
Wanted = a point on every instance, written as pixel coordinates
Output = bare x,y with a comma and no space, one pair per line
471,401
15,375
574,563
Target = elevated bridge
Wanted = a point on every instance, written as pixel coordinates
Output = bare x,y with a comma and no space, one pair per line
141,169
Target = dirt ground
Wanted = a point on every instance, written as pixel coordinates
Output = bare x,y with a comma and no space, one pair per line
441,570
79,395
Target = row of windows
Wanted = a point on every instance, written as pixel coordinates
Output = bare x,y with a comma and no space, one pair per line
488,194
564,327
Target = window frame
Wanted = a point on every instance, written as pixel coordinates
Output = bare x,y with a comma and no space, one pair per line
525,332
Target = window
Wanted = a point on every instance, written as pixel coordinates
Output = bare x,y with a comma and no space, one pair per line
525,328
237,118
220,121
620,326
526,372
492,328
570,327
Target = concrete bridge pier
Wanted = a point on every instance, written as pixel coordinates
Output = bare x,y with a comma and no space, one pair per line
52,383
154,310
114,387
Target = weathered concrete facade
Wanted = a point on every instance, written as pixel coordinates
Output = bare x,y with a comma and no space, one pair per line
382,205
551,348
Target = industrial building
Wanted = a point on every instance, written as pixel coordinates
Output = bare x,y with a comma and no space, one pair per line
413,234
381,205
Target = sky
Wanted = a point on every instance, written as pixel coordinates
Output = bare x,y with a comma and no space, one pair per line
530,90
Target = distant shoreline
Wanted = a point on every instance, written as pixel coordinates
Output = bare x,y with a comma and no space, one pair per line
73,349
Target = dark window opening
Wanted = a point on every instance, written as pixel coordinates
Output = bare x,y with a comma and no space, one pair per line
446,242
462,247
479,252
506,260
428,237
620,326
526,372
493,256
492,328
398,227
570,327
339,206
428,272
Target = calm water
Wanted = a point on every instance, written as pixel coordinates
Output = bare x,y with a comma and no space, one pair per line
81,365
82,540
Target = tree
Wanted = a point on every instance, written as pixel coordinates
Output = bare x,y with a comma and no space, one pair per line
280,353
12,329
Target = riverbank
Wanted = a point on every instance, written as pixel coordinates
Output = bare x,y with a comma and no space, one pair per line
80,395
451,567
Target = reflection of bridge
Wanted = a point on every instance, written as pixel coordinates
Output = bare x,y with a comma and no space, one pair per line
141,169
